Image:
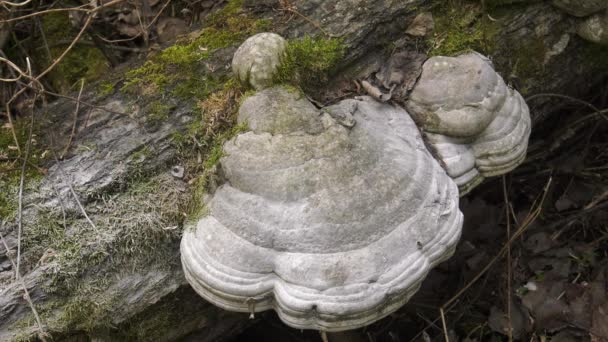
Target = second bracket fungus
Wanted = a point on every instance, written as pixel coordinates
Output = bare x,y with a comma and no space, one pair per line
331,220
581,8
477,125
595,28
257,59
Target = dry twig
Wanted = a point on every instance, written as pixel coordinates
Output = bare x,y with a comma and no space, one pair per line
28,144
82,8
509,271
67,146
535,211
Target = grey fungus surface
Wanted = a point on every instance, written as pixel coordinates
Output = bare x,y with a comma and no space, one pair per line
581,8
595,28
334,225
258,58
477,125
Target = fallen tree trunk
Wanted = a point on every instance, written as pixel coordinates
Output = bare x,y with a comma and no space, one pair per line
101,229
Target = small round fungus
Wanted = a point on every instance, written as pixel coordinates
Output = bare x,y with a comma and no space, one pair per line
256,61
332,224
476,124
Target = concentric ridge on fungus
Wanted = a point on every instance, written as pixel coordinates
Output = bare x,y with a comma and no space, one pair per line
257,59
334,226
595,28
581,8
476,124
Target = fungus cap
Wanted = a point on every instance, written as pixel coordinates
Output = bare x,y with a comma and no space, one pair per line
595,28
333,225
477,126
581,8
256,61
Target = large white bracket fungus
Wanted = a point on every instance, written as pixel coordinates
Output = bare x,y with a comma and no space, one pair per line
256,61
332,225
477,125
334,217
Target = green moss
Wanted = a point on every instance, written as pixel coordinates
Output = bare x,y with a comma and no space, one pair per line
196,207
180,70
47,240
86,312
82,62
246,94
232,8
217,114
217,151
528,63
461,26
204,138
595,54
105,88
142,229
157,112
11,163
309,61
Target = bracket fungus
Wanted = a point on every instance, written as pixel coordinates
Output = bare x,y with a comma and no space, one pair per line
595,28
581,8
258,58
333,217
332,226
476,124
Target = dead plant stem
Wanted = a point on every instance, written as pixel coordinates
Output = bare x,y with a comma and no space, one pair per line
530,218
509,270
73,132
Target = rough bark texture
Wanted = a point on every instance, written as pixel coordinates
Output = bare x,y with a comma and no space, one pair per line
122,279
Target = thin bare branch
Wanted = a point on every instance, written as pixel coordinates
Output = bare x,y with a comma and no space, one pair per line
509,270
524,226
14,67
44,40
67,147
532,216
68,181
21,185
71,98
65,52
572,99
15,4
143,29
82,8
